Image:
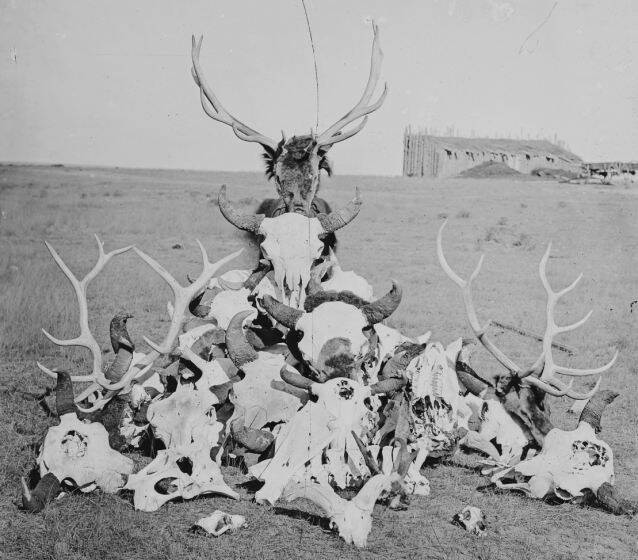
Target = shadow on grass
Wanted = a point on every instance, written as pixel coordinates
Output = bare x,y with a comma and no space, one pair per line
311,518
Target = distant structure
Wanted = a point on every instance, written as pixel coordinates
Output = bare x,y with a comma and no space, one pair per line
618,167
425,155
612,171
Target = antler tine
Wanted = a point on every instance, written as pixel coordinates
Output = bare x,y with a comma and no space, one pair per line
106,395
558,389
214,109
350,133
85,338
183,296
332,134
466,290
547,378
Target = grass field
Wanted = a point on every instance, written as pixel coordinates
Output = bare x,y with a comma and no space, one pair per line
593,228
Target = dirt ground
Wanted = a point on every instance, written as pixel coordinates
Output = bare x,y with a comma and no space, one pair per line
593,229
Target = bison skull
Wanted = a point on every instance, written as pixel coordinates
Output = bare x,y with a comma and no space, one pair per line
333,336
80,451
472,519
218,522
291,242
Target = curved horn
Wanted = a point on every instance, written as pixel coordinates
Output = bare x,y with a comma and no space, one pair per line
612,501
342,216
396,365
197,308
387,386
381,309
46,491
370,461
280,312
64,398
253,439
247,222
301,394
122,346
317,272
471,380
295,379
239,349
594,409
257,276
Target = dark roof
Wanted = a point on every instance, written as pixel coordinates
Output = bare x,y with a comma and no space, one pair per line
505,146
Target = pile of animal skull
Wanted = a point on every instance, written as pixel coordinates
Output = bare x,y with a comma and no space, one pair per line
290,371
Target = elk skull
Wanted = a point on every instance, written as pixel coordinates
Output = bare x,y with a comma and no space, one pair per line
570,462
295,163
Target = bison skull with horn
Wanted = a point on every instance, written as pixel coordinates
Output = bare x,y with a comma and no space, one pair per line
333,336
229,294
257,400
291,242
77,451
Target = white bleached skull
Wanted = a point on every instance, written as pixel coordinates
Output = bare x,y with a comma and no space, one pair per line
494,424
300,440
187,424
80,451
472,519
335,335
292,242
183,417
342,413
218,523
178,473
256,397
334,278
227,295
352,518
333,329
345,401
570,462
433,393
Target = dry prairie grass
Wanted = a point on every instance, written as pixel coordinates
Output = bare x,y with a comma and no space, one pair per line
394,237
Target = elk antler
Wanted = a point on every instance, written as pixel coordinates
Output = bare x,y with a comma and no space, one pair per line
85,338
545,363
183,296
215,110
547,381
466,290
333,134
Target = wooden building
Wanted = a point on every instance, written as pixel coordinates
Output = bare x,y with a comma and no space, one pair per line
425,155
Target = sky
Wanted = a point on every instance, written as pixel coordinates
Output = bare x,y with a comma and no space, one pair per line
108,83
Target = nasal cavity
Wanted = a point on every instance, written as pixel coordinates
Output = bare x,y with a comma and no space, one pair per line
185,464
